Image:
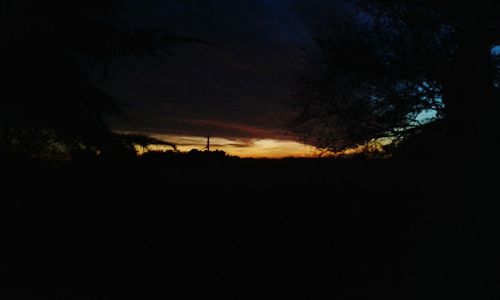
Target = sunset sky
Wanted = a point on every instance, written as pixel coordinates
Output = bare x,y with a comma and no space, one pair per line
245,148
233,90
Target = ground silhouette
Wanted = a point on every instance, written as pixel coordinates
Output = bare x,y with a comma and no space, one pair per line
206,227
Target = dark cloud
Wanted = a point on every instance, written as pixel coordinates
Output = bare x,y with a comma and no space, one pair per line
318,14
233,89
240,145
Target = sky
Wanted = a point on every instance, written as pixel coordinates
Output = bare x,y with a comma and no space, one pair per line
234,90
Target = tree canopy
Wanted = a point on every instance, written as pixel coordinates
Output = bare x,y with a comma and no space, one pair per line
54,55
393,67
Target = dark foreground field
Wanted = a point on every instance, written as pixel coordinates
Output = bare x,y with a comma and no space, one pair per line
244,229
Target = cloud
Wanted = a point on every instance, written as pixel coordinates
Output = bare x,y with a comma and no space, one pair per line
256,148
234,89
201,127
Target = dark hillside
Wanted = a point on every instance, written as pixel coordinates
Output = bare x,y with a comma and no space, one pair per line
245,229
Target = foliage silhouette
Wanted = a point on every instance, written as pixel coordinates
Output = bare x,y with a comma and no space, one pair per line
393,66
240,229
54,55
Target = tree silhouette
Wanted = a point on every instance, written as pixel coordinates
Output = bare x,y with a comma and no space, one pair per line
53,56
393,67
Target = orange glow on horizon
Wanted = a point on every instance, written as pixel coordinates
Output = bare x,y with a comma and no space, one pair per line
244,148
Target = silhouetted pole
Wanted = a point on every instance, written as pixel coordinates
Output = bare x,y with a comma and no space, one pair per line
208,143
